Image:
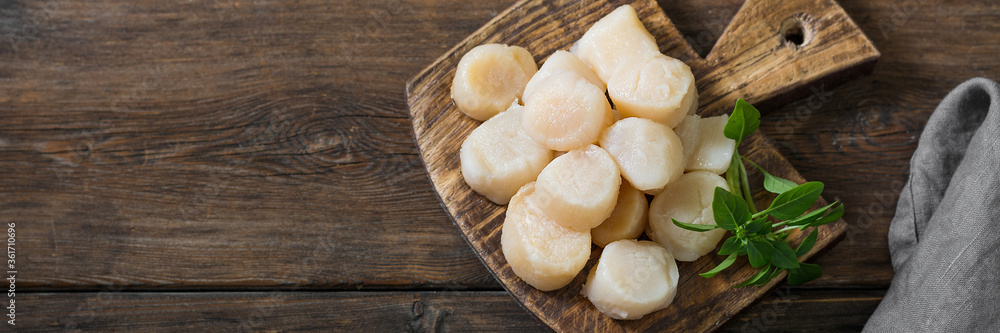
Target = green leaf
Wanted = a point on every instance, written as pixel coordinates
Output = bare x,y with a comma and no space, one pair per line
834,214
774,273
805,273
810,217
783,256
694,227
764,273
772,183
777,185
796,201
729,210
744,120
760,226
723,265
760,252
731,245
807,243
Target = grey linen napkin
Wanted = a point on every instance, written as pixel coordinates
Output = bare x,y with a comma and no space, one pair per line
945,237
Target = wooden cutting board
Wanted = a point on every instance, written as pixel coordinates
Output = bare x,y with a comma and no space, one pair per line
772,51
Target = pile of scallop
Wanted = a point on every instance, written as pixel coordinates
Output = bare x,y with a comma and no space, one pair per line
575,168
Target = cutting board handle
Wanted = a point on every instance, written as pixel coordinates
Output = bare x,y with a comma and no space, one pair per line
774,51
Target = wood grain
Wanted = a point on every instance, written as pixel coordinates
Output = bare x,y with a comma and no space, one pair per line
486,311
750,60
69,64
219,145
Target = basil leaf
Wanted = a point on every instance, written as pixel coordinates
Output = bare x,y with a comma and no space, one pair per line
805,273
723,265
762,274
834,214
796,201
760,226
744,120
783,256
694,227
774,273
810,217
731,245
760,252
772,183
729,210
777,185
807,243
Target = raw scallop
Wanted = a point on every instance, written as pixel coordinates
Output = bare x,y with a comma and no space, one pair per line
498,157
544,254
655,87
579,189
627,220
490,77
613,40
632,279
688,200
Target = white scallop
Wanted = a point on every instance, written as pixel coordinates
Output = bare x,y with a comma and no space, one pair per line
627,221
648,153
544,254
566,112
579,189
498,157
489,78
688,200
655,87
706,148
632,279
558,62
614,40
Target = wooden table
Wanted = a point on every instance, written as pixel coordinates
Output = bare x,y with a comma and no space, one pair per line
249,165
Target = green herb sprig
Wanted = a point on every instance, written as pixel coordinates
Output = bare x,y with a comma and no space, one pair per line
762,236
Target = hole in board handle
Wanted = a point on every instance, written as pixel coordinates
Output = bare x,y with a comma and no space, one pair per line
796,31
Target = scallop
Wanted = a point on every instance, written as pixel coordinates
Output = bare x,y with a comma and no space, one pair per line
632,279
579,189
688,200
489,77
565,112
655,87
706,147
542,253
613,40
648,153
628,219
558,62
498,157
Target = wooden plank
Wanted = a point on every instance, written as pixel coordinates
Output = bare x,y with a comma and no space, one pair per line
753,59
130,71
494,311
808,310
222,145
89,59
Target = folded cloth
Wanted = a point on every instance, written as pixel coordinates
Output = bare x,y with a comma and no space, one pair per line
945,237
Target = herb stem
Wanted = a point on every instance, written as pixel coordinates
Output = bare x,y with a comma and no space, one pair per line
747,195
733,174
750,161
761,213
786,229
